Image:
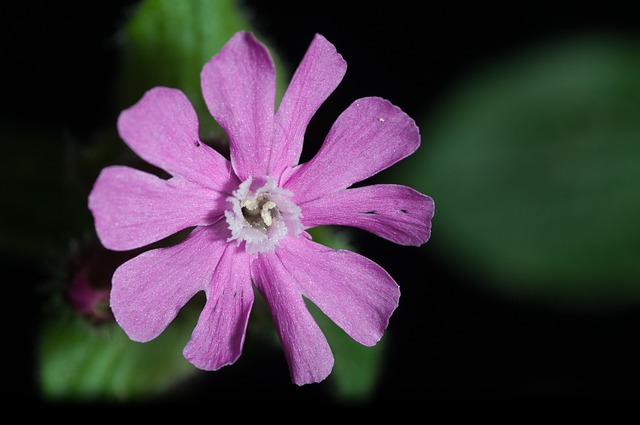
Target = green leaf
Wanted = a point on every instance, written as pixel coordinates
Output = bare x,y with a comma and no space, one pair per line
357,368
534,166
167,43
100,363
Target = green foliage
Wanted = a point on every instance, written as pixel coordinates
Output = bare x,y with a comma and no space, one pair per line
167,43
356,368
534,168
100,363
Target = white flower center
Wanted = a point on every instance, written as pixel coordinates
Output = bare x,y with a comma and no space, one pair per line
261,216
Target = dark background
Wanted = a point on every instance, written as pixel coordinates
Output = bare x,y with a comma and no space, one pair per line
449,340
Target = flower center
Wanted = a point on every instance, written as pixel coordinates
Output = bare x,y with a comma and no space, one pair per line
262,215
259,213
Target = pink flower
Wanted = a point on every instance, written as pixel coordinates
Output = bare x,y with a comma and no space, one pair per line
250,214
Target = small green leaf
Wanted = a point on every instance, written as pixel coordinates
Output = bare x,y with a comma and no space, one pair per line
357,368
332,236
534,166
100,363
166,43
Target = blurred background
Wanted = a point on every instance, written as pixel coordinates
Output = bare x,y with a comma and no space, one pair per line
529,288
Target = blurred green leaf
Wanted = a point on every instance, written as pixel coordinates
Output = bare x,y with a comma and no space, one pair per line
166,43
356,368
534,165
100,363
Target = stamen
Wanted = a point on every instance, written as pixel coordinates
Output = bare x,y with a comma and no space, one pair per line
262,217
265,213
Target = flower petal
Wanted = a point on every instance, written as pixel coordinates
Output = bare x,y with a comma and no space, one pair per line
394,212
162,128
219,335
370,135
353,291
305,347
317,76
150,289
239,86
132,208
